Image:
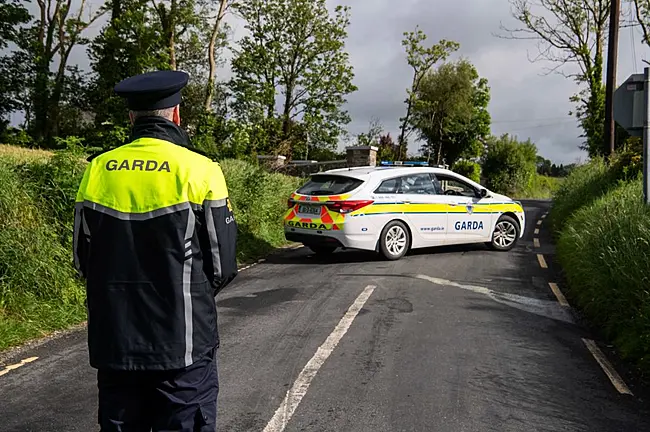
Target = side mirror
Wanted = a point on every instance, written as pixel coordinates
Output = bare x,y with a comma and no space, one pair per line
483,193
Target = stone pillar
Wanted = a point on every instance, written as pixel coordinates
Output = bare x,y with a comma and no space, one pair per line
359,156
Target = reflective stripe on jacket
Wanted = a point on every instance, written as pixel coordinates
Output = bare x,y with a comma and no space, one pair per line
155,239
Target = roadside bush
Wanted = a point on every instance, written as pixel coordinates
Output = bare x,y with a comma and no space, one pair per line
39,291
259,201
39,288
469,169
585,184
540,187
509,165
604,249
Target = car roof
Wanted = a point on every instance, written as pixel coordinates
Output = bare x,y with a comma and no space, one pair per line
364,173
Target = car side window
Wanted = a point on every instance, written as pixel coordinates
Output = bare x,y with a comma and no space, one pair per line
453,186
389,186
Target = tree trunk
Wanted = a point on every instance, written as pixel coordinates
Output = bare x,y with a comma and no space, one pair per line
172,35
439,145
211,55
45,53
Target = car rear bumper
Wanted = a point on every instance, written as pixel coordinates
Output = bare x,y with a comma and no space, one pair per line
331,238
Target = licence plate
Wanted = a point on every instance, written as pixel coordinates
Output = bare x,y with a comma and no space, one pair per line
309,209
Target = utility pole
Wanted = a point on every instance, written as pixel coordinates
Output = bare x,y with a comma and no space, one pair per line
612,60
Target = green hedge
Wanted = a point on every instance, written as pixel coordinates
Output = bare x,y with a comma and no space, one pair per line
603,231
469,169
39,289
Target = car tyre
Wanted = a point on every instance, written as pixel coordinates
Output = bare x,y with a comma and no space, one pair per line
394,241
505,235
322,250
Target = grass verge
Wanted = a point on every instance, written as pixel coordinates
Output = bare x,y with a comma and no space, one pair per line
603,245
39,290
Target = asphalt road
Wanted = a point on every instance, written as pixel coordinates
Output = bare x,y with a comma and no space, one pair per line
447,339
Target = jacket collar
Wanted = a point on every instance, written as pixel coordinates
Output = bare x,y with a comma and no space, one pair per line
160,128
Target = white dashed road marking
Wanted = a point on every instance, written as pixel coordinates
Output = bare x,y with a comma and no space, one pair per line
301,385
536,242
607,367
542,261
558,294
9,368
539,222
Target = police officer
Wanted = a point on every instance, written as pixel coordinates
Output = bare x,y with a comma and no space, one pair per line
155,239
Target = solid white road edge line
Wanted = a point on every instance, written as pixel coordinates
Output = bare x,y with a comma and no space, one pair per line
613,376
299,389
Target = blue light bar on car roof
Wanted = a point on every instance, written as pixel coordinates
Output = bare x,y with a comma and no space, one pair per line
403,163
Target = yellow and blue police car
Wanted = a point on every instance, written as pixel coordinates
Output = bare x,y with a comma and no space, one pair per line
393,209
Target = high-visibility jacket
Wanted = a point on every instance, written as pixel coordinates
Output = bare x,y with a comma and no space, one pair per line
155,239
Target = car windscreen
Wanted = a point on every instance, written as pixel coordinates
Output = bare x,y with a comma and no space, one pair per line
329,185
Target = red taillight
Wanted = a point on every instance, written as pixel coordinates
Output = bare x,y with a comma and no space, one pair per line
344,207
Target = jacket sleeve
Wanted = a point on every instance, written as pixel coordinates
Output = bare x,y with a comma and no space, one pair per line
220,249
81,234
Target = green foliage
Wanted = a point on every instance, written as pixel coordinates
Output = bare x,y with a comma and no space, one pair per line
585,184
259,201
627,162
604,249
509,164
540,187
469,169
450,112
295,50
571,32
421,59
128,45
39,291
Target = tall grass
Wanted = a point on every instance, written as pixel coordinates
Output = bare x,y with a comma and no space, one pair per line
39,289
540,187
259,201
585,184
604,249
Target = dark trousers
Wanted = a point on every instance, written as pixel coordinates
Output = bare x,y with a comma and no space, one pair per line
160,401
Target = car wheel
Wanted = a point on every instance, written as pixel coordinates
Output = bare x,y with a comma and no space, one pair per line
322,250
505,235
394,241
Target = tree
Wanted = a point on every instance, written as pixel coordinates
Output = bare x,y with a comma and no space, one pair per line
450,112
509,164
421,60
571,32
294,48
54,34
13,75
371,137
642,9
128,45
212,47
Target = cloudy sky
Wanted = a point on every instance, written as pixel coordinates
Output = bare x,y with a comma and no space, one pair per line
525,102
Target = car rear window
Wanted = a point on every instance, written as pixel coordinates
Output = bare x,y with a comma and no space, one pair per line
329,185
